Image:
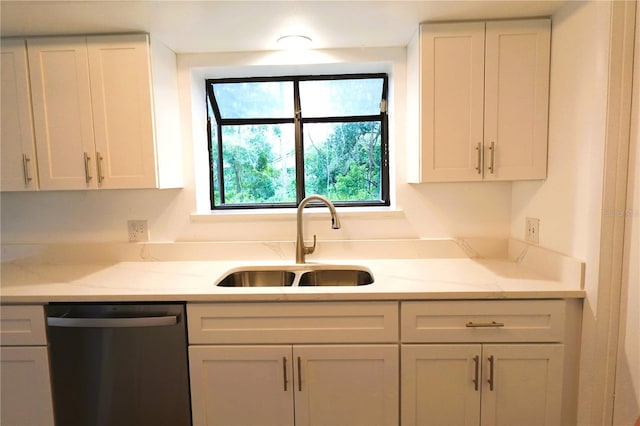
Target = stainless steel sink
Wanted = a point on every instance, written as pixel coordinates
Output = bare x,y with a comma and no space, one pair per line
303,275
336,277
258,278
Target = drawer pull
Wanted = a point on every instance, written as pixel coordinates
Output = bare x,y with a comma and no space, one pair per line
299,375
472,324
284,370
87,175
99,159
476,362
491,380
25,168
492,148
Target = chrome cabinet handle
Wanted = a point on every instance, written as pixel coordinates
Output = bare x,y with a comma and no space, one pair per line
479,157
87,175
25,168
476,362
492,149
284,371
99,159
491,380
299,375
491,324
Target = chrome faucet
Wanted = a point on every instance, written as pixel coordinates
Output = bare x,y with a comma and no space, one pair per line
301,248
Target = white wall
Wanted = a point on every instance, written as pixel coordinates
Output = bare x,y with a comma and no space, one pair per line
570,202
627,388
419,211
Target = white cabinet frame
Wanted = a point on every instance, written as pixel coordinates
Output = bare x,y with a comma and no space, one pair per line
25,378
482,384
478,95
18,171
105,114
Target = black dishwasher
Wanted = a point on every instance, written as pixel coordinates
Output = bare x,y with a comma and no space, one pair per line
119,364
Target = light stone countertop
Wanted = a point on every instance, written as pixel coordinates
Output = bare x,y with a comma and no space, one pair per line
523,273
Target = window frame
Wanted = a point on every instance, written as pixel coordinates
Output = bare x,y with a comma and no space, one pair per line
298,121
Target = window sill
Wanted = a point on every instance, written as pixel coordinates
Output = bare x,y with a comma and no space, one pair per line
290,214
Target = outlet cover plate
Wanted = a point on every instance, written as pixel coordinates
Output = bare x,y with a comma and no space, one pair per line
138,231
532,230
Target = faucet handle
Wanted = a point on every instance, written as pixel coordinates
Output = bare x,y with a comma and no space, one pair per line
312,248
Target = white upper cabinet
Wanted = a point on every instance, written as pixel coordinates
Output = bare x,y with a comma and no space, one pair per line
18,152
62,112
448,100
516,105
122,111
478,101
95,100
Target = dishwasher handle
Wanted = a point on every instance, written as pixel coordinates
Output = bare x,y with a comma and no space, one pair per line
153,321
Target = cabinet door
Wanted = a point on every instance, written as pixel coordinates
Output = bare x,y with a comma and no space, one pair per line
452,63
26,389
516,99
440,385
522,385
122,111
62,112
346,385
241,385
18,152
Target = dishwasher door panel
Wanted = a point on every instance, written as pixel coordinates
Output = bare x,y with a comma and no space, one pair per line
105,372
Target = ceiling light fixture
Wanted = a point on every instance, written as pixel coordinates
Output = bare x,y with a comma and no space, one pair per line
294,42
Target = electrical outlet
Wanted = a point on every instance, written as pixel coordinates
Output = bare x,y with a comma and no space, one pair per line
532,230
138,231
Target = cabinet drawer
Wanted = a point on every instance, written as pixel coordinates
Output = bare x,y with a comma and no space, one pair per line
351,322
483,321
22,326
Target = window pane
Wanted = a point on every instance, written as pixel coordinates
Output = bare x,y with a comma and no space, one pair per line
273,99
340,98
259,163
342,160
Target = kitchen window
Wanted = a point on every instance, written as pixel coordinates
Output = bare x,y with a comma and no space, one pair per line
275,140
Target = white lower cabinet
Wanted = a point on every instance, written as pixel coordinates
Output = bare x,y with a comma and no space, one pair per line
25,395
241,385
283,369
489,363
482,384
353,385
294,385
26,391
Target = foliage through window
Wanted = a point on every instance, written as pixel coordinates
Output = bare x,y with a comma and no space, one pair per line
273,141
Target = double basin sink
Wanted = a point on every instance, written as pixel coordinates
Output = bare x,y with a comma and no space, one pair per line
298,275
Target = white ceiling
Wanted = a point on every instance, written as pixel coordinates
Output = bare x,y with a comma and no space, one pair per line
212,26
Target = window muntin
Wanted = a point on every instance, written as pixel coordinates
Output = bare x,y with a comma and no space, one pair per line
335,146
